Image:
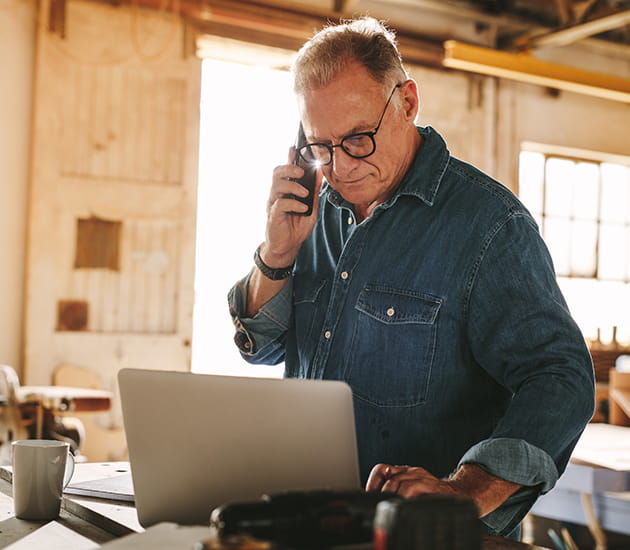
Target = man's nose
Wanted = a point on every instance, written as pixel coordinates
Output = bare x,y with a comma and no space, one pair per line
342,162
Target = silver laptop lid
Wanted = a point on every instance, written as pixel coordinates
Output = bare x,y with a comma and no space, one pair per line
197,441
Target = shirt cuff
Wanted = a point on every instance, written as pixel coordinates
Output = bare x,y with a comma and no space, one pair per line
517,461
271,321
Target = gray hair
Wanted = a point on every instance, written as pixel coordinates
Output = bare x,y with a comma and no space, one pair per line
364,40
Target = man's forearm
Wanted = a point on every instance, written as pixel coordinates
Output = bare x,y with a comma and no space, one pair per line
260,290
487,490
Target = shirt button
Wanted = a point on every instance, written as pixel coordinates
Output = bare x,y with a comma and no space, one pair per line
390,312
344,275
327,334
350,220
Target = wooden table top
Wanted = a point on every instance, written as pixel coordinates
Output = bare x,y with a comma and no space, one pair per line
90,523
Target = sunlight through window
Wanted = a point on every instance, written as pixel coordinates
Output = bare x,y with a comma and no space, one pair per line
583,209
248,123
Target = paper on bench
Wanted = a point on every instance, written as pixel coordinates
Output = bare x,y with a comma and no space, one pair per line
112,488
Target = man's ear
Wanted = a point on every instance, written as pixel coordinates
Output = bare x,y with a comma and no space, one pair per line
409,99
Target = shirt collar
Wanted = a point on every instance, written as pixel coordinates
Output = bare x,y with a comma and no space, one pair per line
427,170
423,178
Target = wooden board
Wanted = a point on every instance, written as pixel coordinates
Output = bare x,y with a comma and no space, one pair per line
115,138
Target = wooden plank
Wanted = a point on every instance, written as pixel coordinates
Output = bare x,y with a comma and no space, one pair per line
619,386
605,446
622,398
574,33
125,291
125,125
526,68
152,268
112,517
72,531
52,536
162,536
588,479
169,536
170,243
119,518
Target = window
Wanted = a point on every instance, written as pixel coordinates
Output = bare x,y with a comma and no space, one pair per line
582,206
248,122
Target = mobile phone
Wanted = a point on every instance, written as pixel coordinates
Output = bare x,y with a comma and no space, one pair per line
308,179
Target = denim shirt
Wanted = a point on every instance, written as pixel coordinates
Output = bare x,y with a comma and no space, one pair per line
442,312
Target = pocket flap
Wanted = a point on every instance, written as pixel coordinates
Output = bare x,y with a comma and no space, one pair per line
396,306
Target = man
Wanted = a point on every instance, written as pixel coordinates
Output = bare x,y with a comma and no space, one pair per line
421,282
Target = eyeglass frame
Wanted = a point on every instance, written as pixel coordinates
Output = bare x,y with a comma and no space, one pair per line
331,148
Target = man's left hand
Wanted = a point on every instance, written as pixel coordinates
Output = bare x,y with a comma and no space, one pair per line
470,481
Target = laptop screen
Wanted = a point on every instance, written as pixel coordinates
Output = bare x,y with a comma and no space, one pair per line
197,441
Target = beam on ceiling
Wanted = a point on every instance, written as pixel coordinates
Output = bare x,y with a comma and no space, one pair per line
255,22
580,9
564,11
525,68
571,34
342,6
447,8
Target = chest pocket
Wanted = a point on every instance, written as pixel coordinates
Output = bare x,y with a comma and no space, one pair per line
393,345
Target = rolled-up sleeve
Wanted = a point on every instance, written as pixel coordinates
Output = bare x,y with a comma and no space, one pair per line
260,339
517,461
522,334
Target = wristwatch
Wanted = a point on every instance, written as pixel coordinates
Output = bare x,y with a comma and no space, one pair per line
275,274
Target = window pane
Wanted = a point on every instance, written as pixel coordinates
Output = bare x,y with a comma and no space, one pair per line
615,195
560,181
583,248
557,233
599,305
530,180
612,255
586,191
584,207
585,304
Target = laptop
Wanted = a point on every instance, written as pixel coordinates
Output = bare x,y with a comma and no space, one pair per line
198,441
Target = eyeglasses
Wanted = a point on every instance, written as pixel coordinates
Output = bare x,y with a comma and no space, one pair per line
357,146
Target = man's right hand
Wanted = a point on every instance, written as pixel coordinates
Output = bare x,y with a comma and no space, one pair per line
285,231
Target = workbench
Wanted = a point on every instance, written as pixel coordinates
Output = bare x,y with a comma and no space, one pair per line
87,523
594,491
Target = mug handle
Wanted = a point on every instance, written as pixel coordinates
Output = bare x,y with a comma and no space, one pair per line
69,469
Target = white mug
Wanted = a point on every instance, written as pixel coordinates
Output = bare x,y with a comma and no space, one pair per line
41,470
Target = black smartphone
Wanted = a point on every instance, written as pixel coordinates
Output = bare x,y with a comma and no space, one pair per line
308,179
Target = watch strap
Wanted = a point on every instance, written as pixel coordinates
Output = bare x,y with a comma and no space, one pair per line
273,273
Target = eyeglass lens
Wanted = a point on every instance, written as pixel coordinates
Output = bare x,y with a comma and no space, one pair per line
359,145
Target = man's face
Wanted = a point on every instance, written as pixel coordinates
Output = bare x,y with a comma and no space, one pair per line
353,102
